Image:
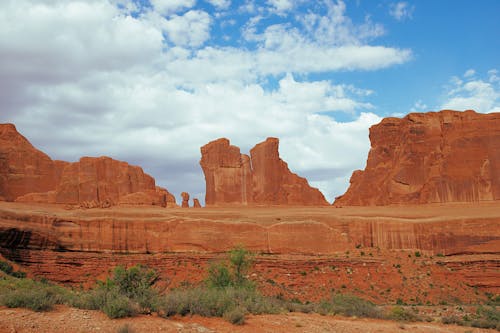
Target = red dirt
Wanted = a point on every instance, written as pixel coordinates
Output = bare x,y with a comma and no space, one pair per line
64,319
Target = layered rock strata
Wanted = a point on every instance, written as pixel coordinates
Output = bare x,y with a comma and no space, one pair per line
29,175
433,157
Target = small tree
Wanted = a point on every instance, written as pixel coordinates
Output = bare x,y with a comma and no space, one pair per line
231,273
241,261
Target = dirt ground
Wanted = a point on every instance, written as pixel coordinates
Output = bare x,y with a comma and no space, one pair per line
65,320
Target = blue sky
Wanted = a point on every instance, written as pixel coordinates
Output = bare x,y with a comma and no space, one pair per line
150,82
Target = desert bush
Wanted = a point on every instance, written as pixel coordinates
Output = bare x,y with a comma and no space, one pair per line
118,306
34,295
218,302
126,293
232,272
399,313
235,316
487,317
219,276
448,320
6,267
349,305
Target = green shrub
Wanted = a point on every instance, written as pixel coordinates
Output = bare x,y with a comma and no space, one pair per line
217,302
241,260
127,292
118,306
401,314
36,300
18,274
34,295
350,305
6,267
219,276
235,316
231,273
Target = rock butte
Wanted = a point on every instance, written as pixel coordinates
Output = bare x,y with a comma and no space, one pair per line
446,156
260,179
28,175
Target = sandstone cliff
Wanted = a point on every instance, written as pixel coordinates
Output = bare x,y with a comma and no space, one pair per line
433,157
23,168
29,175
99,179
233,178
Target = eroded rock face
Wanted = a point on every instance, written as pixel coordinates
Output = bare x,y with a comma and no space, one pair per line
29,175
23,168
99,179
227,172
433,157
196,203
185,199
233,178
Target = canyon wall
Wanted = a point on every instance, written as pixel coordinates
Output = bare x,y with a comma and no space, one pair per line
433,157
262,178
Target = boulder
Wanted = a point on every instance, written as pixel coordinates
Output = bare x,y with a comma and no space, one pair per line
196,203
434,157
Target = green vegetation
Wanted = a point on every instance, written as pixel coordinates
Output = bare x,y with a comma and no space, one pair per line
227,293
485,317
34,295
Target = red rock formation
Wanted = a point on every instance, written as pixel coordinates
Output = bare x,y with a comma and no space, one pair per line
227,172
169,197
185,199
101,178
274,184
28,175
196,203
445,156
23,168
233,178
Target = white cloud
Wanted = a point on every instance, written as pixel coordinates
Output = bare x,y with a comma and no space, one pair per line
401,10
419,106
191,29
280,6
167,7
481,95
220,4
88,78
469,73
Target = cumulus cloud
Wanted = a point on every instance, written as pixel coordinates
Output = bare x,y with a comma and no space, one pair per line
468,92
166,7
401,10
147,84
280,6
220,4
191,29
